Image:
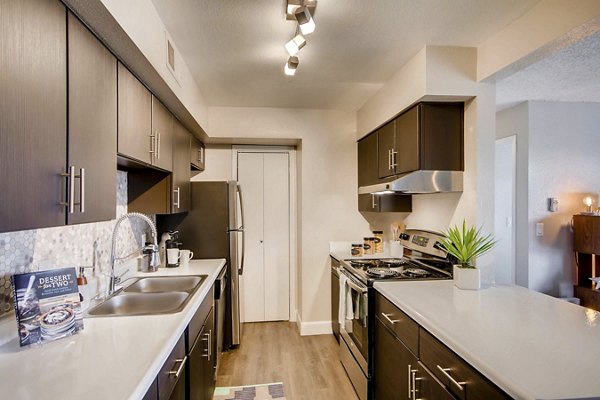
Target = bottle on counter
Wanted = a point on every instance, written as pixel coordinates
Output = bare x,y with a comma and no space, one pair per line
357,250
378,241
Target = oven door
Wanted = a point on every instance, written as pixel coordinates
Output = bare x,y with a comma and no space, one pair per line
355,319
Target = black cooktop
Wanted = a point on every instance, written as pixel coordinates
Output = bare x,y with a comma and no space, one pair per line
370,270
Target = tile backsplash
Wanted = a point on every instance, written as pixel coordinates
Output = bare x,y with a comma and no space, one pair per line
67,246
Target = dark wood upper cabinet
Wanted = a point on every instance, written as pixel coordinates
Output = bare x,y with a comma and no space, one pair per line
385,149
367,161
135,138
384,203
181,169
406,149
428,136
92,124
441,132
33,110
162,131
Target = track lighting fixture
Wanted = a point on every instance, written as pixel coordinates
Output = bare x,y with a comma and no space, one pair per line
300,11
291,65
305,20
294,45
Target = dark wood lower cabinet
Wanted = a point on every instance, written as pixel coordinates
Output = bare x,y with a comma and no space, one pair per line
202,366
392,364
400,373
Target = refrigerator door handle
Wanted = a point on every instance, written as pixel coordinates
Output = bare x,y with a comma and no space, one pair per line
241,229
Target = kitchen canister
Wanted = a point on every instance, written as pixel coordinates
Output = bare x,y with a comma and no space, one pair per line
378,241
357,250
367,246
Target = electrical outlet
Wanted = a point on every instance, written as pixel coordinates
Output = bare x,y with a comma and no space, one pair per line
539,229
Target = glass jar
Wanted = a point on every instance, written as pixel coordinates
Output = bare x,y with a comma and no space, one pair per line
367,246
357,250
378,240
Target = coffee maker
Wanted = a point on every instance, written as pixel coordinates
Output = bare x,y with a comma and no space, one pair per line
169,249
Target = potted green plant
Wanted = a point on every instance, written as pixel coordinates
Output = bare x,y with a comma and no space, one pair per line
466,245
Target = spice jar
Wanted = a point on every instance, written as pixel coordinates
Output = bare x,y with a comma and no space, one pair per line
357,250
367,246
378,241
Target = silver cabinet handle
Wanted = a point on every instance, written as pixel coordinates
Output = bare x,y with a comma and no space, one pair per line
209,344
414,380
207,339
178,371
152,143
178,202
82,190
70,203
389,159
391,321
409,381
373,203
394,159
456,383
199,156
158,145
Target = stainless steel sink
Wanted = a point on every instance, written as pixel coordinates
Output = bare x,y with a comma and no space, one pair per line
166,284
150,296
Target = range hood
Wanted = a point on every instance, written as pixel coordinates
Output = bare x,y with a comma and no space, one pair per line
419,182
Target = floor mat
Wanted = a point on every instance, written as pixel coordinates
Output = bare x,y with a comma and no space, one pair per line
251,392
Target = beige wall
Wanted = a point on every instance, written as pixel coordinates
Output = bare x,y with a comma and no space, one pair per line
326,186
218,164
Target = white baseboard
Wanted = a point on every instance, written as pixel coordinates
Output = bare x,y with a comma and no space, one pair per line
313,328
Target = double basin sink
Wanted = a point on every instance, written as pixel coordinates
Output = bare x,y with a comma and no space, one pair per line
150,296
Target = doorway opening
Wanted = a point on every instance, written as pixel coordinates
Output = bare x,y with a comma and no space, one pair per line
267,176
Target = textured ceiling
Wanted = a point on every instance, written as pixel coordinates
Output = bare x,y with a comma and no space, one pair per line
572,74
234,48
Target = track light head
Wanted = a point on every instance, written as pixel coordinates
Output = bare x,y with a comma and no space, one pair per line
294,45
291,65
305,20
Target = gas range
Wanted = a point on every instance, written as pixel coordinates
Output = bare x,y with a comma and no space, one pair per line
367,271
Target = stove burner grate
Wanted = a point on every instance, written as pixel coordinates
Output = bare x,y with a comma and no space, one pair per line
382,273
416,273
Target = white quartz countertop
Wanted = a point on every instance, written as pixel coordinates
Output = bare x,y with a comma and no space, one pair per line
112,358
531,345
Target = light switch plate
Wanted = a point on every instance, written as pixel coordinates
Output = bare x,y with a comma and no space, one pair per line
539,229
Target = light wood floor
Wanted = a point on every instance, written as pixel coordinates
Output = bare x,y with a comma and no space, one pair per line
308,366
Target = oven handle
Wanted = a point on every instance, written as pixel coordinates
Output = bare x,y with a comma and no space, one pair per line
353,285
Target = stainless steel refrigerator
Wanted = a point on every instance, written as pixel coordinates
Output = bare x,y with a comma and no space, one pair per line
214,228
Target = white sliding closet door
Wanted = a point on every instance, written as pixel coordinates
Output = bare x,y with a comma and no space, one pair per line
265,291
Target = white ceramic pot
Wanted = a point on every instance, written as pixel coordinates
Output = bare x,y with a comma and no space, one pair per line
467,278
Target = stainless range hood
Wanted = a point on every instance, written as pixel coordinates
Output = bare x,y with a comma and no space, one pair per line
419,182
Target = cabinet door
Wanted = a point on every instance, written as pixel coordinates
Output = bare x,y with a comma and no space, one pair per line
197,154
33,106
162,130
385,149
181,169
442,136
393,365
407,141
135,118
202,372
368,173
92,124
172,371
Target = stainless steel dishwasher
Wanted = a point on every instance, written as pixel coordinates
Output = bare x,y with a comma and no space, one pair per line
220,306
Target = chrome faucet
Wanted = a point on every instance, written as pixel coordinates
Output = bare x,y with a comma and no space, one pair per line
154,258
